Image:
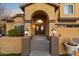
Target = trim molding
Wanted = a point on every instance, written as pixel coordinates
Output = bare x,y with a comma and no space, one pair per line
68,19
52,21
30,21
27,21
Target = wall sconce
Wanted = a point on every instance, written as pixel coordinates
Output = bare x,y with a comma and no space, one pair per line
33,26
54,31
26,32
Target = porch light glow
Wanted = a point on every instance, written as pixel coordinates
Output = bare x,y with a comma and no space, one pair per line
26,32
54,31
39,21
33,26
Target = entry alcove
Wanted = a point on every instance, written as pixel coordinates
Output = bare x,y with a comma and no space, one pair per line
40,23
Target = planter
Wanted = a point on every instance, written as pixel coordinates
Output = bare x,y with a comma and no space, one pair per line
71,48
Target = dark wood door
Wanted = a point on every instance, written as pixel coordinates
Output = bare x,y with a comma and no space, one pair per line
39,29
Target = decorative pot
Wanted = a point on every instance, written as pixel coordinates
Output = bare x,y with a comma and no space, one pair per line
71,48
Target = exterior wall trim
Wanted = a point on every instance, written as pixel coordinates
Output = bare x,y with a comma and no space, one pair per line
28,21
69,19
52,21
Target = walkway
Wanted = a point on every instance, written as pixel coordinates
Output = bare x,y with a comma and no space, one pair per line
39,46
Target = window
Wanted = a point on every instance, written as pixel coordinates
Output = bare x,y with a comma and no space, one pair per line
68,9
19,27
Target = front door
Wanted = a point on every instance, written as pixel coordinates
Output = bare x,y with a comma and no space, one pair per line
39,29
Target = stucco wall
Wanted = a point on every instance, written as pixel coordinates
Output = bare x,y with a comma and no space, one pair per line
50,10
76,10
19,19
10,45
29,10
11,25
66,34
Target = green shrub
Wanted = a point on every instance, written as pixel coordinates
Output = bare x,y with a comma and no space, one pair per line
15,33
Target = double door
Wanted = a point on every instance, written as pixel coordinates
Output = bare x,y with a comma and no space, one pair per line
39,29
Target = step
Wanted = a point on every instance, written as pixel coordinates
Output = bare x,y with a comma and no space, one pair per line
40,53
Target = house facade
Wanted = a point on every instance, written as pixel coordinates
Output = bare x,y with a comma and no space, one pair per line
15,21
50,14
42,18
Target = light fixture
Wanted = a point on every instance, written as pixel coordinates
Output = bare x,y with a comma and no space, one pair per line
33,26
53,31
39,21
26,32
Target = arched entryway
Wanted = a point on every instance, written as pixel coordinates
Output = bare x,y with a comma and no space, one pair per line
40,30
40,23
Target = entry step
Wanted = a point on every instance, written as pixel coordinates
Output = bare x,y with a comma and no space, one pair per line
39,37
39,53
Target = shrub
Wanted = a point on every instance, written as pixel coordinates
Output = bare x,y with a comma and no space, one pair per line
15,33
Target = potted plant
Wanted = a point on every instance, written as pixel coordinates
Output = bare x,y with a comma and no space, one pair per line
71,47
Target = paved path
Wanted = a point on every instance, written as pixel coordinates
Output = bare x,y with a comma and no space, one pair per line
39,46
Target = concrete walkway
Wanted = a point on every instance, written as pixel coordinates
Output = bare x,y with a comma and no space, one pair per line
39,46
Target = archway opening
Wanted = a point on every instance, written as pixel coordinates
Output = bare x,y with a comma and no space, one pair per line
40,23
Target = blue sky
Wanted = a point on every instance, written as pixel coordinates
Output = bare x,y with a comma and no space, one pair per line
13,8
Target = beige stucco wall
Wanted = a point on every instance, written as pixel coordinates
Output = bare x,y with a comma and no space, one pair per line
50,10
10,45
57,15
66,34
76,10
19,19
29,10
11,25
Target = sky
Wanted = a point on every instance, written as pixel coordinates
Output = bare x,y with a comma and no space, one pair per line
12,8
